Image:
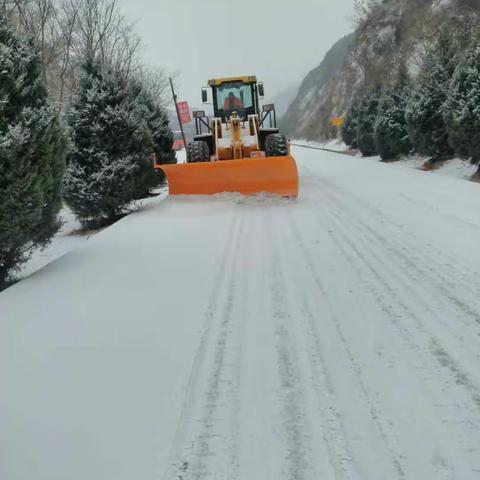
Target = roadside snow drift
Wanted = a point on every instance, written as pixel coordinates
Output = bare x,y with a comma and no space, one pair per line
336,337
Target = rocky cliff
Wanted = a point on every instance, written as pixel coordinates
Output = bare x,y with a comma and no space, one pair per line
389,34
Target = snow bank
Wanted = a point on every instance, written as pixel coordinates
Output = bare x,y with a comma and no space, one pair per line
456,167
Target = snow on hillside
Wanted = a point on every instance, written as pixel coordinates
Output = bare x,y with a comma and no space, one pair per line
246,338
311,110
456,167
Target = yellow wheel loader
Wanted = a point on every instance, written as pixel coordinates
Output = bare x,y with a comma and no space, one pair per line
235,151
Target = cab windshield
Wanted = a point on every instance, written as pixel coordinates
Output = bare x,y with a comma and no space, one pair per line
234,96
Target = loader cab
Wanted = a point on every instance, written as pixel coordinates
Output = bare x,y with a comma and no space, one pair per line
234,95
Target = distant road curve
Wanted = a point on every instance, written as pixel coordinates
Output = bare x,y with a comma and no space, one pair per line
344,152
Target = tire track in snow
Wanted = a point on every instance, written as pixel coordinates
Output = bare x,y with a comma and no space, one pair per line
334,434
214,451
397,311
377,417
425,271
400,252
407,250
297,461
433,359
333,428
179,463
432,207
382,280
431,274
430,257
435,345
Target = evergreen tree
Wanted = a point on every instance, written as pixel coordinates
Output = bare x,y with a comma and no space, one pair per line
462,109
424,111
367,117
391,134
350,127
32,154
110,162
162,136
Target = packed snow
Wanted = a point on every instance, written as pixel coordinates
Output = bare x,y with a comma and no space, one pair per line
458,168
333,337
455,167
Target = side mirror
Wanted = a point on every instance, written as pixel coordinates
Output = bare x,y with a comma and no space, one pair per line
204,95
261,90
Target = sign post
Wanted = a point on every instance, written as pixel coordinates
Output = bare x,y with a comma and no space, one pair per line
338,122
179,112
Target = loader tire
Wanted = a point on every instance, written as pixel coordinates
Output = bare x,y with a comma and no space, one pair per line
276,145
198,152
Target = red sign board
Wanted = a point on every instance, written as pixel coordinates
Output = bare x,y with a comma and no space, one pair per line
184,112
178,145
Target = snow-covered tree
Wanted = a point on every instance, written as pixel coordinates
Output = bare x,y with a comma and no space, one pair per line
424,111
152,111
391,135
162,137
350,127
32,154
367,116
462,108
111,156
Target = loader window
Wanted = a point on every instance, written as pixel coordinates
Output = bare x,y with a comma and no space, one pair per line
235,96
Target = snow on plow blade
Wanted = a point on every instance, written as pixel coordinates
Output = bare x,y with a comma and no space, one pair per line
248,176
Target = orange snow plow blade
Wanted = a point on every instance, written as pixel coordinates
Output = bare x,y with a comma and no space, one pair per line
248,176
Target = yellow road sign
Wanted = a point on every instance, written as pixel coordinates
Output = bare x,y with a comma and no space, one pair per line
338,121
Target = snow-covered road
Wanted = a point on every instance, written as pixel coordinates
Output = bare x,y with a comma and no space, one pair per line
336,337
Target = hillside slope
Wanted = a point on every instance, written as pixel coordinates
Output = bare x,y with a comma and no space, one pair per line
284,99
311,104
390,34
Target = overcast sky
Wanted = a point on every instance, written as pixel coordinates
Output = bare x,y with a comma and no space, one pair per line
277,40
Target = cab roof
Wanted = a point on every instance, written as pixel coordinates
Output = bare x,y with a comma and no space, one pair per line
219,81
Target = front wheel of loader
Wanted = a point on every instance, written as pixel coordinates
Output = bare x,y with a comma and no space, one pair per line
198,152
276,145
